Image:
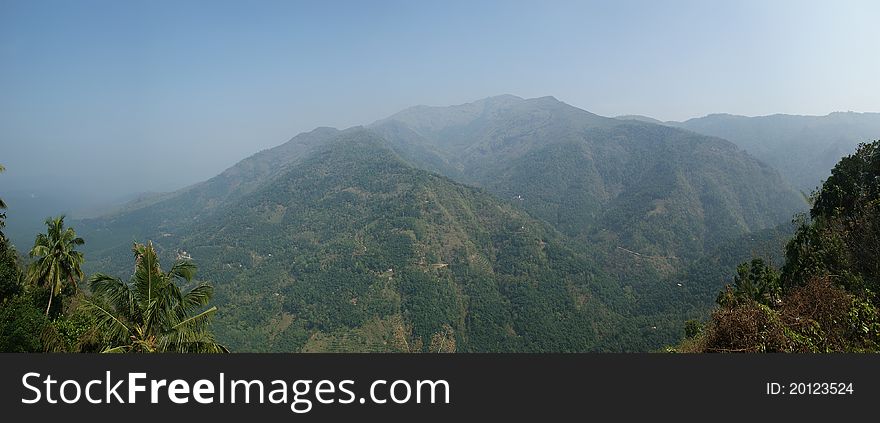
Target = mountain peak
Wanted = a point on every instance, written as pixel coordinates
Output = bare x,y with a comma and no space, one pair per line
356,146
639,118
429,120
545,99
501,98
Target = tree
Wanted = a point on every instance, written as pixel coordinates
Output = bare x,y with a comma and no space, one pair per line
842,239
692,328
854,184
825,298
21,325
757,281
10,272
57,261
2,207
150,313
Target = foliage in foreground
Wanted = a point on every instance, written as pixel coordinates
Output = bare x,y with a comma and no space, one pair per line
824,299
151,313
56,260
148,314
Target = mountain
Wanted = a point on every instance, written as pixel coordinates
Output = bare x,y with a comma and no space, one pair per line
169,213
505,224
802,148
353,249
648,188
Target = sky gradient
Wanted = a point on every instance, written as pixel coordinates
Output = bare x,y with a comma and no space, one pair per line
116,97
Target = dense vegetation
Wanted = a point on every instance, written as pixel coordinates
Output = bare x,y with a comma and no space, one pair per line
149,315
649,188
824,298
353,249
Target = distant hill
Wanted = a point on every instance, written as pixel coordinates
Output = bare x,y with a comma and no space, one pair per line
802,148
649,188
167,214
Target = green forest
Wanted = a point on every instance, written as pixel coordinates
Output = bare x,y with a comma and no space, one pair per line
824,297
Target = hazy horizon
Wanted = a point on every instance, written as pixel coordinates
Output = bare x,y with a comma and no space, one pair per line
126,195
116,99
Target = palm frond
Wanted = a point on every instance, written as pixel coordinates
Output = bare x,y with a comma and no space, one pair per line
147,275
193,321
150,313
191,335
111,325
114,292
197,297
184,269
39,250
52,340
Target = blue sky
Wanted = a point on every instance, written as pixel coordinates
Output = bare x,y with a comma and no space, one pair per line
121,96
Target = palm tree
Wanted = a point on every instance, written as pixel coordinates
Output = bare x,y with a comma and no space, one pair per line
57,261
150,313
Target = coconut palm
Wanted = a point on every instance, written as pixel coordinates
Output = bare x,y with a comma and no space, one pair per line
150,313
57,261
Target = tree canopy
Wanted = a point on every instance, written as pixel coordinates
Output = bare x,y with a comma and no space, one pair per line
825,298
57,262
151,313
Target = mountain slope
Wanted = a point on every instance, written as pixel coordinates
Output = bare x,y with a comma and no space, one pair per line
645,187
353,249
166,215
802,148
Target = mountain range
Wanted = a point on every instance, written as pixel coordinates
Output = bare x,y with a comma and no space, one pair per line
802,148
506,224
597,178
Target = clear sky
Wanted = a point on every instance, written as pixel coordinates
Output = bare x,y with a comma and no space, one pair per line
121,96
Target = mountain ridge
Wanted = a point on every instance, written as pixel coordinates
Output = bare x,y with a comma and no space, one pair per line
485,150
803,148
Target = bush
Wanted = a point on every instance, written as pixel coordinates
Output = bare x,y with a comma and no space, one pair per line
21,325
745,327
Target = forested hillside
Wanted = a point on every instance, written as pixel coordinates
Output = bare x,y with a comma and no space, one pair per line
353,249
824,298
802,148
501,225
648,188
